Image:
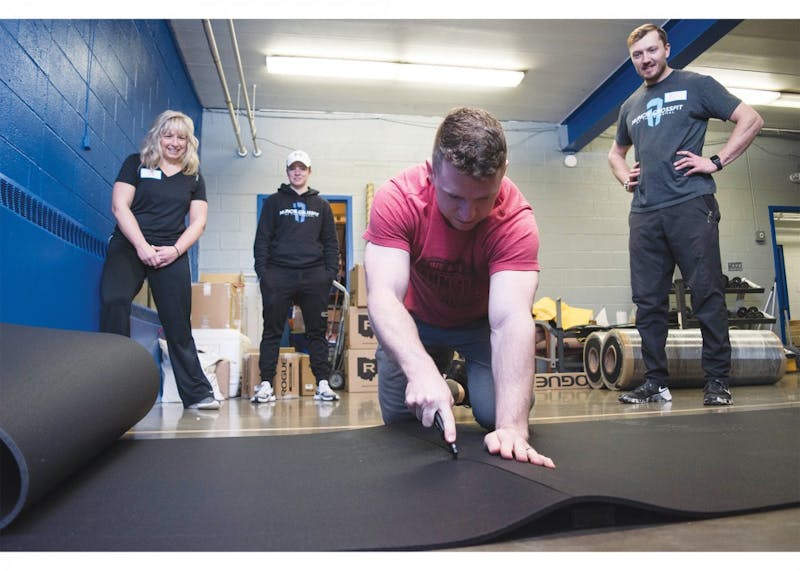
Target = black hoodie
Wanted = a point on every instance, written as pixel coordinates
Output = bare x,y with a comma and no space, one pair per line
296,231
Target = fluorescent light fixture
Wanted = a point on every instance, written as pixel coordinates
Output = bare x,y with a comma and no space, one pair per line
767,97
787,100
755,96
392,71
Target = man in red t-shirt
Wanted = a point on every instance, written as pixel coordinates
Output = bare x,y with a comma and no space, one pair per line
451,261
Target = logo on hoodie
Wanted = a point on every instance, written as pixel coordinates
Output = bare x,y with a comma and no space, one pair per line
300,212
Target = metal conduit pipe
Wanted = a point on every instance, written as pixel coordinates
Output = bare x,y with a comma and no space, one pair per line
212,44
250,118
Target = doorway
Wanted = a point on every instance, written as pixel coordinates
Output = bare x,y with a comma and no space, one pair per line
785,228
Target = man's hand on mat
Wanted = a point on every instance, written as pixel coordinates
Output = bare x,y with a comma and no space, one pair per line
425,399
512,446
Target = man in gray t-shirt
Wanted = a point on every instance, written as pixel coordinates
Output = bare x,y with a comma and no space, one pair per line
674,216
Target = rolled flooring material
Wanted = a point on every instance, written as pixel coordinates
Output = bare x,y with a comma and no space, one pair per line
397,487
592,358
757,358
65,396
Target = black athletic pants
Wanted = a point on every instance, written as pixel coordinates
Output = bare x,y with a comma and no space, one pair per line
310,289
686,234
123,276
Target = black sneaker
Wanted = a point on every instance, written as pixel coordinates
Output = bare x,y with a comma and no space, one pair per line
716,393
646,392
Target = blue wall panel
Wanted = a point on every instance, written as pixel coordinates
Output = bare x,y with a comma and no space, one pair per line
76,97
46,290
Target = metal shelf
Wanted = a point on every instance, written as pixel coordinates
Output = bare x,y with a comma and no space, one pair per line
684,321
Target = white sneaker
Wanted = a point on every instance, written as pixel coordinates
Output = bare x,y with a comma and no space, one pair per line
264,393
324,392
207,403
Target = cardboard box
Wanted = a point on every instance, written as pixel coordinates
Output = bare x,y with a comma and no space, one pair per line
216,306
296,322
358,331
286,382
308,382
236,279
794,331
223,372
361,371
250,373
358,286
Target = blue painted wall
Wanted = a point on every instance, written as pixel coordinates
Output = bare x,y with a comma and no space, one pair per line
76,97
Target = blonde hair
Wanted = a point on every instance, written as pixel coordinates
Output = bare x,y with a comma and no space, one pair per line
171,121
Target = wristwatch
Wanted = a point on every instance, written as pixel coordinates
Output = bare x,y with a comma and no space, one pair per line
717,163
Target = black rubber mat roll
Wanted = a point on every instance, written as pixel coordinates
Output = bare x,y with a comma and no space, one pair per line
66,396
592,358
757,358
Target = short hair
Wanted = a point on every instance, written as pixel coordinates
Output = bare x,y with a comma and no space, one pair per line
167,121
471,140
645,29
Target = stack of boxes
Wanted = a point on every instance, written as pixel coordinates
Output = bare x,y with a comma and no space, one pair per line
219,317
361,372
287,380
217,321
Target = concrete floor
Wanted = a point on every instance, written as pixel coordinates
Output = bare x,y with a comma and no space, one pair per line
775,531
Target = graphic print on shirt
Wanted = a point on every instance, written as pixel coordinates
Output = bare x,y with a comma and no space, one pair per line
447,275
658,108
299,211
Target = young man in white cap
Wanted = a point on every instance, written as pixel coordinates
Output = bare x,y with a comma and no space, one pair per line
296,259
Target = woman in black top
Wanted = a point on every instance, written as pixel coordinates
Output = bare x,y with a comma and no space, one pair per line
154,191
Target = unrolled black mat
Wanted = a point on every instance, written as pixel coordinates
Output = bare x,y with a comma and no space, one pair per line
398,488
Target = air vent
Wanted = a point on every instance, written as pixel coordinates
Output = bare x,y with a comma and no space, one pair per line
33,209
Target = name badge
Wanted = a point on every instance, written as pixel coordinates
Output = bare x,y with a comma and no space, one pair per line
150,173
671,96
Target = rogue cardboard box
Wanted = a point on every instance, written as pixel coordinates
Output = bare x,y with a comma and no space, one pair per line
361,371
358,332
285,383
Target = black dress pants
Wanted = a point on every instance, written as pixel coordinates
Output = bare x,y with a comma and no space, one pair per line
686,234
309,288
123,276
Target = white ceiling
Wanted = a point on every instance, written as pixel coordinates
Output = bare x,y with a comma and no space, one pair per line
566,60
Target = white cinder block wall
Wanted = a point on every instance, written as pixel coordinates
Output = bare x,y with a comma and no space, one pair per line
581,211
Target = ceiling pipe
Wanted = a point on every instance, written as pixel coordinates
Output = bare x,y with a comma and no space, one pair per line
250,118
212,44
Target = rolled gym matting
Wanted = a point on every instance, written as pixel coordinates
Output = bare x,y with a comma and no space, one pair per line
757,358
64,397
380,488
593,358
